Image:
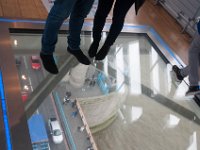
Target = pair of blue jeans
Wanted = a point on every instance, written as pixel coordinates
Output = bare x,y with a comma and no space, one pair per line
61,10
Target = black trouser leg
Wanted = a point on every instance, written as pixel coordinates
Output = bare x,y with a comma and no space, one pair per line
120,10
104,7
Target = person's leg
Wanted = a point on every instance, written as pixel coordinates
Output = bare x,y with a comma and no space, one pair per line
194,52
120,10
103,9
59,12
79,13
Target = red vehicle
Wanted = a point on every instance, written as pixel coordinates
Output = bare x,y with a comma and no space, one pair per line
35,62
24,96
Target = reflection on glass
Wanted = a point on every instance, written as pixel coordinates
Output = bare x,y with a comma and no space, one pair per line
26,87
172,121
106,66
181,90
169,80
193,142
104,35
154,71
120,66
15,42
126,69
136,113
124,106
134,68
121,114
24,77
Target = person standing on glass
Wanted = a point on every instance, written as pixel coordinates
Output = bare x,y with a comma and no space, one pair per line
192,70
121,8
61,10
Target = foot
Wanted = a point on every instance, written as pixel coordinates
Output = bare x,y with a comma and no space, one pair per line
177,71
93,49
192,90
102,53
79,56
49,63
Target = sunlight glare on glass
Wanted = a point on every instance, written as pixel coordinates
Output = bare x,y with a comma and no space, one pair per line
105,66
169,79
104,35
172,121
193,142
134,68
154,71
24,77
120,68
26,87
180,92
15,42
136,113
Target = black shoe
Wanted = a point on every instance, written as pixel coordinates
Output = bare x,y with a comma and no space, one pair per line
102,53
192,90
177,71
93,49
49,63
79,56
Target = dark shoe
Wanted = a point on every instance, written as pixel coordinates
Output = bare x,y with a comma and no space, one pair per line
177,71
192,90
49,63
102,53
79,56
93,49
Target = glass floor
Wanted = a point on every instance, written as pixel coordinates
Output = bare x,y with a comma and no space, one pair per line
130,100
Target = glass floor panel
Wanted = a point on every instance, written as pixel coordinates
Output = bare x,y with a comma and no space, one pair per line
130,100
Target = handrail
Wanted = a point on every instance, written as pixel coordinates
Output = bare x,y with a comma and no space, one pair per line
65,121
94,146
